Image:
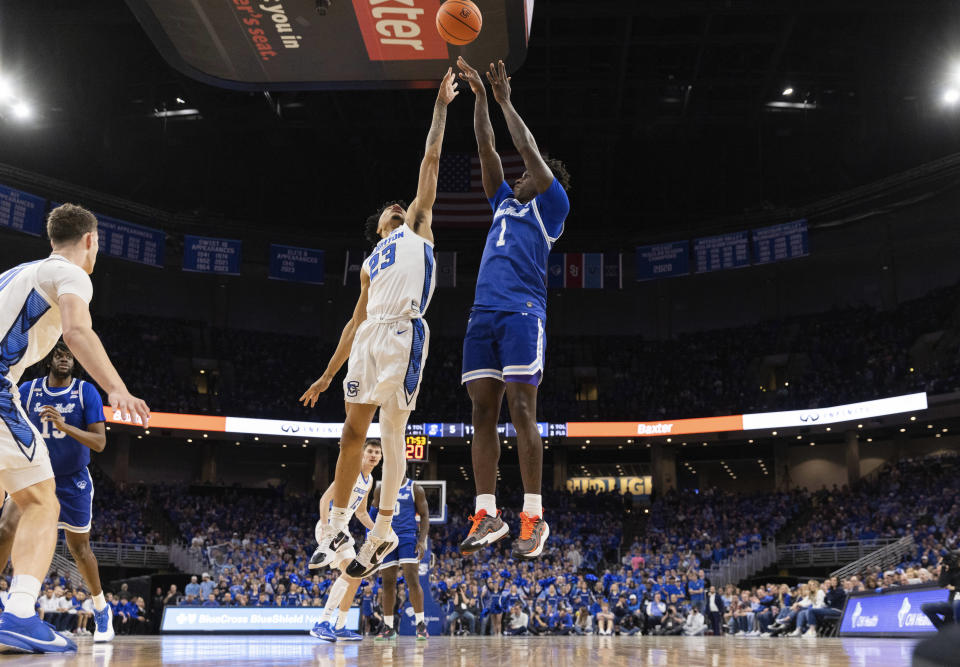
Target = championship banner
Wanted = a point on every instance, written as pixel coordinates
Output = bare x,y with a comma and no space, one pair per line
726,251
301,265
780,242
134,243
262,45
202,254
663,260
22,211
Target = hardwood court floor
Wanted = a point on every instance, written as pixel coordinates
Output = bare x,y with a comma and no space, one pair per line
250,650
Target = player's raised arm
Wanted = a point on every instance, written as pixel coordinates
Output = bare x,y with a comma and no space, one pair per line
521,135
491,169
420,212
342,353
86,346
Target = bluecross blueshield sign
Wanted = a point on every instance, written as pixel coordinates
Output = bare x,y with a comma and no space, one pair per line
247,619
893,612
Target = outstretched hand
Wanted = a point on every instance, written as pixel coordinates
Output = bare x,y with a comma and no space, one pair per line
470,75
310,396
499,82
448,88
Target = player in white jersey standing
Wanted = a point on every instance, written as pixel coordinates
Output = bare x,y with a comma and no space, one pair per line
344,589
386,341
39,301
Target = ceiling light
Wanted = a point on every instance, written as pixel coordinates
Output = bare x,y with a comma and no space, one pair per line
22,111
951,96
788,91
913,418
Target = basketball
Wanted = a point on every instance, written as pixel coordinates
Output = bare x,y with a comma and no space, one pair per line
459,21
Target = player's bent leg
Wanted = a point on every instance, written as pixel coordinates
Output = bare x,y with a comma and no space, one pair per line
341,630
388,576
334,536
21,630
83,556
9,519
534,531
411,575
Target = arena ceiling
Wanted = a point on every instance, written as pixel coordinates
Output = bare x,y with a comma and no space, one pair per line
668,112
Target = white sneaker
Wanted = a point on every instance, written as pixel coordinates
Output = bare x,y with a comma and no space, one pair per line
812,632
330,540
371,554
796,633
765,634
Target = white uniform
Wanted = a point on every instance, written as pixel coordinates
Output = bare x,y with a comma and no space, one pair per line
360,489
30,325
390,346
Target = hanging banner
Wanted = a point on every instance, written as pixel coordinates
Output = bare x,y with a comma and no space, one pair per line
301,265
209,255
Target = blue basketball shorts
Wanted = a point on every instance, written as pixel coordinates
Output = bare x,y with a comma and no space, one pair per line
406,551
504,346
75,493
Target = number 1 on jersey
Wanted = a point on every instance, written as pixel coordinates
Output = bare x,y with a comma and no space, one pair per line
503,231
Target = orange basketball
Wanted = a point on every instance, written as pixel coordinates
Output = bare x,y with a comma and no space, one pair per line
459,21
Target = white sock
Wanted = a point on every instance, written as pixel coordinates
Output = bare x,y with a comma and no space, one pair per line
24,591
418,615
337,591
99,602
341,620
381,527
388,621
486,501
532,505
339,518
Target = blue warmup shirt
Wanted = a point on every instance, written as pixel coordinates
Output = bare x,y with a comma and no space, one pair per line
405,511
513,270
79,403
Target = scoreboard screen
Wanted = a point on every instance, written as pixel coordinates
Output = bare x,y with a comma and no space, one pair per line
417,448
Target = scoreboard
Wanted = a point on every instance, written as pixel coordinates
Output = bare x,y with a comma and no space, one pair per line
418,450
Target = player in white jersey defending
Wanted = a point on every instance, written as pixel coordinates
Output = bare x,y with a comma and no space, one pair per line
344,589
39,302
386,341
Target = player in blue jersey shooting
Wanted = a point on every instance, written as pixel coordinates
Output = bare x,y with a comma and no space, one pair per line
503,350
68,412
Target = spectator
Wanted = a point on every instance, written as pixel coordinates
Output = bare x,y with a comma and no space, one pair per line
518,621
715,608
694,626
605,619
193,588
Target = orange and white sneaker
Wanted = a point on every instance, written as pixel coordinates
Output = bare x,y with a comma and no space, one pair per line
534,532
485,531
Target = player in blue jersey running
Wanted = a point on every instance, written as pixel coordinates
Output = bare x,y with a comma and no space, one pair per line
411,503
69,414
503,350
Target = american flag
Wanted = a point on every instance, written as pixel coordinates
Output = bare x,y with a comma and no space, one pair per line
461,201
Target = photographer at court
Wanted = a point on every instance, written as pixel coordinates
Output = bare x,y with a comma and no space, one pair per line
944,613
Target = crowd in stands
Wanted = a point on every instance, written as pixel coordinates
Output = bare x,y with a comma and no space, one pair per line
831,358
254,545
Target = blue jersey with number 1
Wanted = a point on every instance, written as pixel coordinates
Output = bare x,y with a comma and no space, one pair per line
513,270
79,403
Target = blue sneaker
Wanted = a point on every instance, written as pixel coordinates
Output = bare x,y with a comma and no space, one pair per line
31,635
345,635
104,620
324,631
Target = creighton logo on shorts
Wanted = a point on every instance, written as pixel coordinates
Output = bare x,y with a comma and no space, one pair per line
81,484
353,388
